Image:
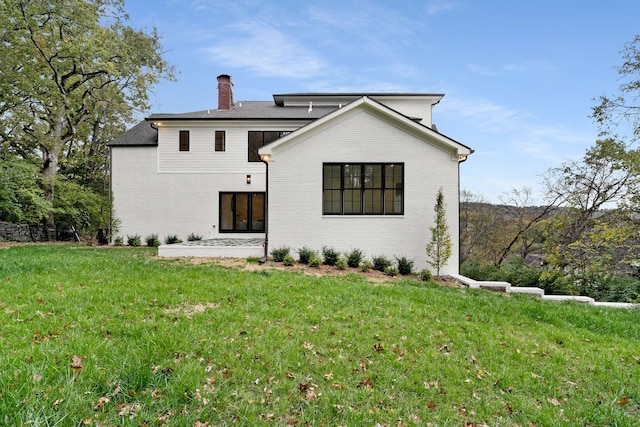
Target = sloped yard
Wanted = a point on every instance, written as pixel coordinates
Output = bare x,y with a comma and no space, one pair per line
103,336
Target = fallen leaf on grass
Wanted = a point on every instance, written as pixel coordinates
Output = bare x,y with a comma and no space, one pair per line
100,405
554,401
76,364
366,383
623,401
508,407
130,410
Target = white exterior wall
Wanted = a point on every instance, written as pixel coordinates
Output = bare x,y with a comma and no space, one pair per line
202,157
295,190
166,191
412,108
147,202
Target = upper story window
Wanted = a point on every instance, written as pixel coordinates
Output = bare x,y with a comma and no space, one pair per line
220,140
259,138
363,188
184,140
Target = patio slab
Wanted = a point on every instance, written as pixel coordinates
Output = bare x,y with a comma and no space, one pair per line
215,248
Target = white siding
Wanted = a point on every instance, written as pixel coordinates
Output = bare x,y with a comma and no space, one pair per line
202,157
412,108
147,202
295,190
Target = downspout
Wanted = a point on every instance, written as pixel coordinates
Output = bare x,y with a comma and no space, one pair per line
461,159
265,159
110,195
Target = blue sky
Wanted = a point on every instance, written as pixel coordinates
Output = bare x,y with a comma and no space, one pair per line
519,76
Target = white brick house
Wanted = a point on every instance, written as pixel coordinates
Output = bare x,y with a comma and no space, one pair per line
345,171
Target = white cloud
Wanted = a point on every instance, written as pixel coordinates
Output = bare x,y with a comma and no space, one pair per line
512,67
266,51
517,132
437,7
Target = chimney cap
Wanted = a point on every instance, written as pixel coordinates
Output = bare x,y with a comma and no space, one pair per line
224,77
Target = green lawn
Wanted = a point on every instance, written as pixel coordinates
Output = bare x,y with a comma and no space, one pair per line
104,336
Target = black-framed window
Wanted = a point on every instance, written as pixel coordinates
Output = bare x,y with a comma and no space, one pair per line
220,140
184,140
258,138
242,212
363,188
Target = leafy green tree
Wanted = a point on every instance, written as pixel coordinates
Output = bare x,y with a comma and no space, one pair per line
21,198
594,238
625,107
72,74
439,247
523,221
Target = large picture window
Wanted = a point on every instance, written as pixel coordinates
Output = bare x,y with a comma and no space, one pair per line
363,188
242,213
259,138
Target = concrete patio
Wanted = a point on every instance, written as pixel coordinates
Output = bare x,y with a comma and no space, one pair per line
215,248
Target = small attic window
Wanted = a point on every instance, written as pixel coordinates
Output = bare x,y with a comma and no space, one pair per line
184,140
220,140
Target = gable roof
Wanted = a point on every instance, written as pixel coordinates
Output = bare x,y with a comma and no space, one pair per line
142,134
364,102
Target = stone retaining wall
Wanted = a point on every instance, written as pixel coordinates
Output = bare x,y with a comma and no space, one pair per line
24,233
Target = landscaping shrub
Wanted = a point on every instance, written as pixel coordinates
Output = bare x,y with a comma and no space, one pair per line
426,275
118,241
341,264
618,289
330,256
517,272
133,240
380,263
477,270
192,237
304,254
365,265
152,240
391,271
405,265
278,254
314,260
288,260
171,239
354,258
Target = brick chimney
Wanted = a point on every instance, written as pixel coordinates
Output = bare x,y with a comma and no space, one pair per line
225,92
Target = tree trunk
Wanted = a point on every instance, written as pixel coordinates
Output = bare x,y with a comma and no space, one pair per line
49,171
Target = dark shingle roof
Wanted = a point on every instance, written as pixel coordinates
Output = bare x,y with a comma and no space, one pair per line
251,110
141,134
345,97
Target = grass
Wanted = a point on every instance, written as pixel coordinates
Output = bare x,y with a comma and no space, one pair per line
103,336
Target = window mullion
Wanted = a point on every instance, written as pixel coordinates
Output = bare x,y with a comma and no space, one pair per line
342,189
383,185
250,212
362,186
